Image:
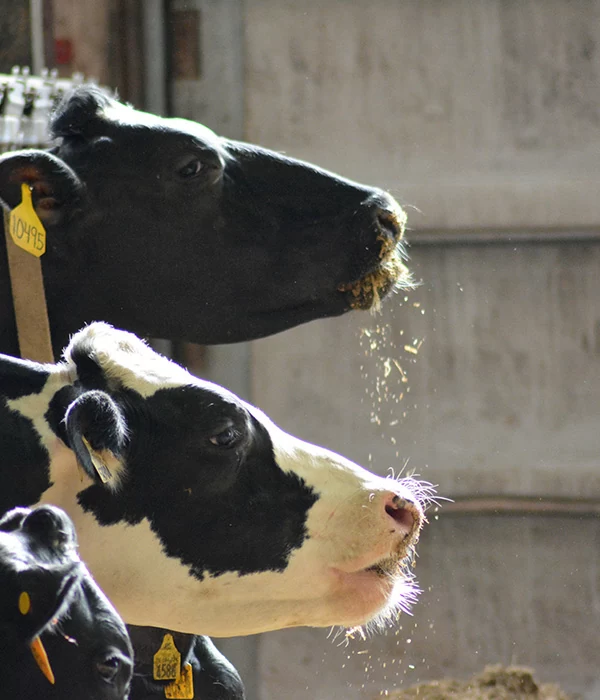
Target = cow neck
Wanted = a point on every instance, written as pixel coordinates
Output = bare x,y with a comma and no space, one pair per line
29,301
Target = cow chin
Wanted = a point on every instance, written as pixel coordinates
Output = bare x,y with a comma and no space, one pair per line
372,598
368,595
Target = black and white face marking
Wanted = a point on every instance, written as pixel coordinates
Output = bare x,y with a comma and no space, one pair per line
212,520
207,481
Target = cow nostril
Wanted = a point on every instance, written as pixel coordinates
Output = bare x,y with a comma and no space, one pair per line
403,516
388,224
403,513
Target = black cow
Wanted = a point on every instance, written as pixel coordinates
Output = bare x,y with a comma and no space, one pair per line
162,227
60,638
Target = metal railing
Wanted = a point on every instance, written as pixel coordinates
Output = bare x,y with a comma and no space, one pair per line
26,103
519,506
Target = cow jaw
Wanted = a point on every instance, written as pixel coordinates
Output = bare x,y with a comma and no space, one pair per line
305,594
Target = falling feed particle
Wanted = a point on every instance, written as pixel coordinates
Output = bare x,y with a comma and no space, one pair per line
399,368
411,349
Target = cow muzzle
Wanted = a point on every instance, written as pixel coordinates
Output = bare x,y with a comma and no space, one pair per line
387,525
387,221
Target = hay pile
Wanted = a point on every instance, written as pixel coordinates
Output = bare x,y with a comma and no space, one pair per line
494,683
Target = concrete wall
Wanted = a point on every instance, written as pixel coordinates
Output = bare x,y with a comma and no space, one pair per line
478,112
482,117
502,393
501,399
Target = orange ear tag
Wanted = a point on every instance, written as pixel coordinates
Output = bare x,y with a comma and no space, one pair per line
184,687
41,659
37,648
26,229
167,661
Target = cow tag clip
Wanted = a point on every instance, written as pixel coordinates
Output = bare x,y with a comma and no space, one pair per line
101,469
184,687
167,661
26,229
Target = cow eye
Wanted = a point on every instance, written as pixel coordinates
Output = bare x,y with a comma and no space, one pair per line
190,169
226,438
108,668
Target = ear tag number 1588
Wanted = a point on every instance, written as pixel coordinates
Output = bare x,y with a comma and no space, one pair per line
26,229
167,661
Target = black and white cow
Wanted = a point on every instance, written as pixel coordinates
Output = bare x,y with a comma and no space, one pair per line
164,228
60,638
194,511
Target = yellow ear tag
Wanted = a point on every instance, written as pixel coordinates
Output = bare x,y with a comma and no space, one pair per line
184,687
101,469
167,661
26,229
24,603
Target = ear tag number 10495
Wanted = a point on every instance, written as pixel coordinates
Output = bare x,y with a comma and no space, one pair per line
26,229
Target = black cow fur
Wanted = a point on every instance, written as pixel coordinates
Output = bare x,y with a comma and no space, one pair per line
161,227
86,642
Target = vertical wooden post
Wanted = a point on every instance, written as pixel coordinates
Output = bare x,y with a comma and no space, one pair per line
15,30
16,19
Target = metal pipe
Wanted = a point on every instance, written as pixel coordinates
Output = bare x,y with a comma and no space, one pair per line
37,36
155,57
520,505
474,237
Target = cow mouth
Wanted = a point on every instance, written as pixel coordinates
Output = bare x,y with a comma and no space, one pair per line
390,567
395,565
390,274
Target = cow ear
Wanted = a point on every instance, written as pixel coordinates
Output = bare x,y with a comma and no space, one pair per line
80,114
35,597
56,189
97,433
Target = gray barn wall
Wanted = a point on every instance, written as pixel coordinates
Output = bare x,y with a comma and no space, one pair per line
481,116
503,400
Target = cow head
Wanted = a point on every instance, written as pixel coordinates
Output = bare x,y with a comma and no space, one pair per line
52,611
161,226
197,513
